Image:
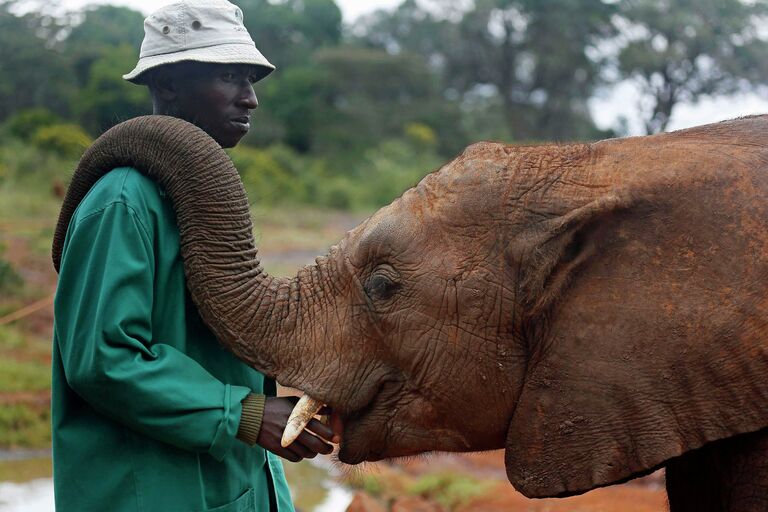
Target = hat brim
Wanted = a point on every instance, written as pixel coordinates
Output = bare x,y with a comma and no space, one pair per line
236,53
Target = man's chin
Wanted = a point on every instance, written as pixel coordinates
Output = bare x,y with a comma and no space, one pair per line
229,142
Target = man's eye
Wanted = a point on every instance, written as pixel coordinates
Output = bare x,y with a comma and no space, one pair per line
228,77
253,79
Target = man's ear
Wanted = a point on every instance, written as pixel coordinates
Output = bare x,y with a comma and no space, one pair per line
163,86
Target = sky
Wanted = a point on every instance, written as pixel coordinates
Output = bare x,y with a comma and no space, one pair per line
606,108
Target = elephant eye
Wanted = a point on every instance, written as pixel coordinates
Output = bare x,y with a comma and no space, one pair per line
381,285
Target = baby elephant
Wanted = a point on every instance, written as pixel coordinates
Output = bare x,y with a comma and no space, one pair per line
599,310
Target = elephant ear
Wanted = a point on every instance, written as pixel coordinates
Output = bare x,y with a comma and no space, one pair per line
646,327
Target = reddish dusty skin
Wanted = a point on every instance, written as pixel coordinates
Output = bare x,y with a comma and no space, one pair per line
598,309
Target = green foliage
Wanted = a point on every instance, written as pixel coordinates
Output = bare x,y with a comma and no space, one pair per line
23,426
267,174
67,140
531,55
288,32
102,27
370,484
34,72
10,280
449,489
421,135
23,376
25,164
293,102
371,94
10,336
391,169
680,51
106,98
25,123
107,25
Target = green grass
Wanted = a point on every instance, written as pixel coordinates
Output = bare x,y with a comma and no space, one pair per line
18,376
25,426
28,204
25,470
449,489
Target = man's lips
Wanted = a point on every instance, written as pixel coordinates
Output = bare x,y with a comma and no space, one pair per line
242,122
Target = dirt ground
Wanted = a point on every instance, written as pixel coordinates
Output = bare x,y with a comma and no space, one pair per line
641,495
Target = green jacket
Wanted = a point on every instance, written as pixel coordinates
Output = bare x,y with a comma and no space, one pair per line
146,403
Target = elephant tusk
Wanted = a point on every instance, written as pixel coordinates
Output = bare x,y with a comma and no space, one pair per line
302,413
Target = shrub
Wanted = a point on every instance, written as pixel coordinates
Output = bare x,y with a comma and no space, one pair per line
449,489
337,193
391,168
24,426
266,179
421,135
27,122
67,140
10,281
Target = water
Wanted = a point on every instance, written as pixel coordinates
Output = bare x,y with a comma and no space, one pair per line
33,496
26,486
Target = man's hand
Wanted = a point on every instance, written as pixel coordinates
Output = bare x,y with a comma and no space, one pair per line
306,446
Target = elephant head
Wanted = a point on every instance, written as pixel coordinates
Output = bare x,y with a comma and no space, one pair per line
596,309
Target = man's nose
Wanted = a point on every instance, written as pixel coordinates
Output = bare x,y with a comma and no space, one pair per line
248,97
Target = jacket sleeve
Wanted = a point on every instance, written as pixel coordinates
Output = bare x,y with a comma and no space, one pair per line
103,314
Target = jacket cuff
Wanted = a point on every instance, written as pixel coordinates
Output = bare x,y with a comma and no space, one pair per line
250,419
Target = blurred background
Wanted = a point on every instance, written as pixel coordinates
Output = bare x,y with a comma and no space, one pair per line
368,97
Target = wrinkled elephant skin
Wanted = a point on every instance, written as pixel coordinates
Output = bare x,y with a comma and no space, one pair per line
597,309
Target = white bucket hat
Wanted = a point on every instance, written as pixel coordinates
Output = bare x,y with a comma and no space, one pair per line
198,30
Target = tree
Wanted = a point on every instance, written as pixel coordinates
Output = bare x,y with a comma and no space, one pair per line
107,25
34,72
107,99
372,95
531,55
102,28
681,50
289,32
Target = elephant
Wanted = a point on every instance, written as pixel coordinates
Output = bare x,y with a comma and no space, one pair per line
598,310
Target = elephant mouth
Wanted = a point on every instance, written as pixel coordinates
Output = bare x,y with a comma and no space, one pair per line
372,431
365,432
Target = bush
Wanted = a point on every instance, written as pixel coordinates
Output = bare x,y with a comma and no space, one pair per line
67,140
449,489
391,168
337,193
279,175
266,179
27,122
10,281
24,426
421,135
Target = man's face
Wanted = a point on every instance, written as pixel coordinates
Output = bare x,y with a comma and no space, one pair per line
217,98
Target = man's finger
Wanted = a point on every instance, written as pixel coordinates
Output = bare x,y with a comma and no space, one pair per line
313,443
302,450
320,429
288,455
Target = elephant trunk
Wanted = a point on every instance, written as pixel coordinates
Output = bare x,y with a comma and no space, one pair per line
252,314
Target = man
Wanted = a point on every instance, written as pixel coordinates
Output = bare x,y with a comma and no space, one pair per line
149,412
